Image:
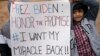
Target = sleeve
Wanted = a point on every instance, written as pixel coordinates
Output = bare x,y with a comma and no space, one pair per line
2,39
5,31
93,7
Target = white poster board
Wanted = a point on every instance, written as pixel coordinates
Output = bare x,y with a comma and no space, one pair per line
40,28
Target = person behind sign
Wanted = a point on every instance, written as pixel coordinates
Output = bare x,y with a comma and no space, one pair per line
5,47
5,41
85,40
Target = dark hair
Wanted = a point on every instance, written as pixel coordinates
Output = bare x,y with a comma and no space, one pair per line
80,6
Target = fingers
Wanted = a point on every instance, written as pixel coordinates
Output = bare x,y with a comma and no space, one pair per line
71,1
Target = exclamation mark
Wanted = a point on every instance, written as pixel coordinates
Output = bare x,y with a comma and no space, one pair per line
66,50
62,6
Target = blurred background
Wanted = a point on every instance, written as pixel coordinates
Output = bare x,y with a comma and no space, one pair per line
3,12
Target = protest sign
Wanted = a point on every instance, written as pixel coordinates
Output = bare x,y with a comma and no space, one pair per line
40,28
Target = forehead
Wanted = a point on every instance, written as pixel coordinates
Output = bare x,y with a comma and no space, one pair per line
78,10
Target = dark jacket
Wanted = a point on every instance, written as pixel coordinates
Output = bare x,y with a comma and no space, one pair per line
5,50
